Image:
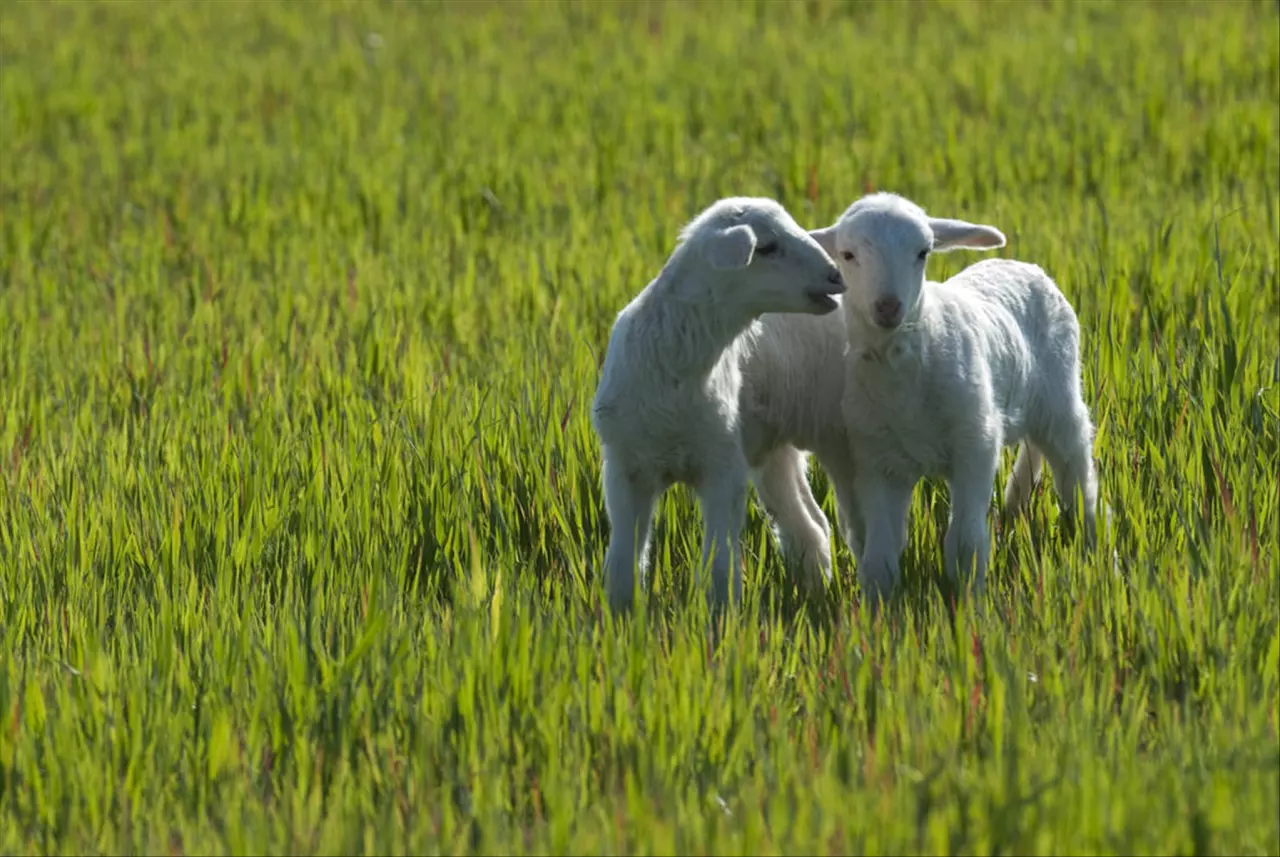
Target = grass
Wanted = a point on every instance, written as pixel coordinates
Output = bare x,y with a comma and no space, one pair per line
302,308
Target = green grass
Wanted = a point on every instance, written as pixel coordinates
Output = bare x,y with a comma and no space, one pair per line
300,516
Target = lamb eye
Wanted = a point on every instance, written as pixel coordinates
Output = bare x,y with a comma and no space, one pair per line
924,254
767,249
847,255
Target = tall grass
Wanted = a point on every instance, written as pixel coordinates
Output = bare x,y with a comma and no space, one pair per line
301,311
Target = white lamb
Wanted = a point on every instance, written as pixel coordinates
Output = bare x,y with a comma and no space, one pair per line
791,405
666,409
939,377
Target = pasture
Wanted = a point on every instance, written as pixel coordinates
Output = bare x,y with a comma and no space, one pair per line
302,306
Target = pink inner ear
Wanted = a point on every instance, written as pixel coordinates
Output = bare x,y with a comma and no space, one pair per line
984,238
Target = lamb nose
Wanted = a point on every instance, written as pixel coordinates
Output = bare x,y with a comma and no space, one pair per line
887,307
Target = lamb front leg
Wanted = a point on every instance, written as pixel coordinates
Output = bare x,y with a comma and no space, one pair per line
967,546
884,503
723,495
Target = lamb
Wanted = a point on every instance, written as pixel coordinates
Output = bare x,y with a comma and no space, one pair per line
940,377
666,409
792,388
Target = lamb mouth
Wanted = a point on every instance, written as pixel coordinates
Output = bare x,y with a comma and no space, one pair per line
823,301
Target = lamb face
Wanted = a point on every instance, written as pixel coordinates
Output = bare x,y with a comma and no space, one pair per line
773,265
882,244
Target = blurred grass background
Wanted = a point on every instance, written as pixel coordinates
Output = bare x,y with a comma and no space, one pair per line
301,305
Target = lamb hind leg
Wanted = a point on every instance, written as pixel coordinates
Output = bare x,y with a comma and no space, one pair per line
801,475
853,528
629,503
784,492
1022,482
1068,447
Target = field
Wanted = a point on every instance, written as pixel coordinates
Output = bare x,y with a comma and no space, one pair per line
302,306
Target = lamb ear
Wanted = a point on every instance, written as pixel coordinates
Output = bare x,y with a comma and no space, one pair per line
953,234
731,248
826,239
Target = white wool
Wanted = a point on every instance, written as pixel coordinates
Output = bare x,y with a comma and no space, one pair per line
793,385
939,377
667,406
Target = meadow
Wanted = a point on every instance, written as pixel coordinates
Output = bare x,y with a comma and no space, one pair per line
302,307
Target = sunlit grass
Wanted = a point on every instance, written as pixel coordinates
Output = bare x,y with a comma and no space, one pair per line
301,309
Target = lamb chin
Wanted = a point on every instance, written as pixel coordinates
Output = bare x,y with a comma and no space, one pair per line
825,303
